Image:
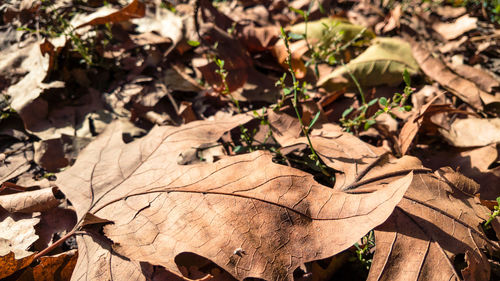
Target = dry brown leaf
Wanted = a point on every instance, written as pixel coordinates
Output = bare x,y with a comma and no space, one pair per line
97,261
472,162
267,212
450,12
435,68
472,132
136,9
17,161
483,79
29,201
297,49
52,268
338,150
17,233
434,222
411,127
54,223
450,31
31,85
9,264
258,39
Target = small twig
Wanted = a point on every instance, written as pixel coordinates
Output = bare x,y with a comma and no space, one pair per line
55,245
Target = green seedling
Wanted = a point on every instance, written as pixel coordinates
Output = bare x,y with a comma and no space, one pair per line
494,214
361,120
295,91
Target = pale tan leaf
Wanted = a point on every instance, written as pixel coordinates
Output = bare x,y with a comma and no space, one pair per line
472,132
29,201
17,233
96,261
452,30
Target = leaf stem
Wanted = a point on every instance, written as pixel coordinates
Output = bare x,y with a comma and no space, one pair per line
295,102
55,244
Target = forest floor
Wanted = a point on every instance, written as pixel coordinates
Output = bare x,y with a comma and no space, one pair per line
249,140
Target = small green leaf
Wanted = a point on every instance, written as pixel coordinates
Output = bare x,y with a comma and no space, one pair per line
406,77
369,123
314,119
347,111
407,107
383,101
238,149
287,91
295,36
300,12
372,102
193,43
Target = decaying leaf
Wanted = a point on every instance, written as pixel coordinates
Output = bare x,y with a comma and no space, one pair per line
136,9
10,264
161,209
58,267
382,63
436,221
339,150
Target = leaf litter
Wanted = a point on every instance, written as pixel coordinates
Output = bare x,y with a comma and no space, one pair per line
152,141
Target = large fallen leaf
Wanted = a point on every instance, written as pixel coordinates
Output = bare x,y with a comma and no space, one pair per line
382,63
250,216
437,220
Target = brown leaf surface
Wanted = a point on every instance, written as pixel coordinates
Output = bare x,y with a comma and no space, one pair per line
136,9
9,264
339,150
161,209
411,127
472,132
437,70
52,268
96,261
450,31
16,161
17,233
435,221
29,201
